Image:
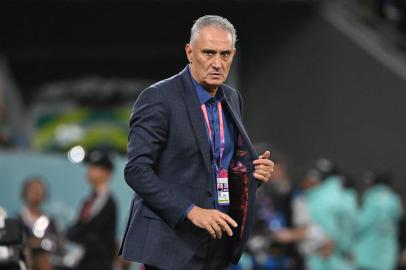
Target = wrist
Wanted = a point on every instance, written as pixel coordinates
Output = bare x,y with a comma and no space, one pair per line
191,212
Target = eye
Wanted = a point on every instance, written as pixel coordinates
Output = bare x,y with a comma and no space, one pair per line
208,52
225,54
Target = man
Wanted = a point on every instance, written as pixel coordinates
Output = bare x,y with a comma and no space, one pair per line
96,225
377,245
191,163
328,207
34,194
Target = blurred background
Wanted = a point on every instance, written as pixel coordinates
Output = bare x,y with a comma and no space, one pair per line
320,79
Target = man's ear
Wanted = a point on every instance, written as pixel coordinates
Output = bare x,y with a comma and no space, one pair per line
188,50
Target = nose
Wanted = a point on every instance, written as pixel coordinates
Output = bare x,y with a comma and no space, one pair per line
216,62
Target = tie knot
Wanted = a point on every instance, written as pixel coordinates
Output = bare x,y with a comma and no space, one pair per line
211,100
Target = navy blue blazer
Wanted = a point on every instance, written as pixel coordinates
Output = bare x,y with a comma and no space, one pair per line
169,168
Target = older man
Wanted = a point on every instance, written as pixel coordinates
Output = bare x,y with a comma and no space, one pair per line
190,162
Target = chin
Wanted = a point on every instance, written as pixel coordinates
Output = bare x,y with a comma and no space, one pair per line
215,82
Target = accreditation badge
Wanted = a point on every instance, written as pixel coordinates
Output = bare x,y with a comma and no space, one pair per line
223,195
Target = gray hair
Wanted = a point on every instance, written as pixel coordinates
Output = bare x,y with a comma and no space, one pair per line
212,20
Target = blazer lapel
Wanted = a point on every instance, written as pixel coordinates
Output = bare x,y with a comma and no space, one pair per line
240,127
196,117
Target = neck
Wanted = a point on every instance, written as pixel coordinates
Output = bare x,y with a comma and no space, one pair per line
212,90
101,188
34,209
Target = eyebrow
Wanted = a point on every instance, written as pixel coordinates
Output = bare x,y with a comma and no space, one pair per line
214,51
209,51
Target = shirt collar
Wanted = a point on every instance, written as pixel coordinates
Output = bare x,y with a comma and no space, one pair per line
202,93
102,190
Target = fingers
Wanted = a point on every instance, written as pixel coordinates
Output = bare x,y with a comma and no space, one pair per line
262,167
213,221
266,162
210,230
217,229
229,220
264,172
266,155
261,177
225,227
224,221
220,223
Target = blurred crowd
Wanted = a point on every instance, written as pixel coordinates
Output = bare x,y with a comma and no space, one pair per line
327,221
89,243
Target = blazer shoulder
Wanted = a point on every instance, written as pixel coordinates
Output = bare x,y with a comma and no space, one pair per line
230,91
163,89
234,97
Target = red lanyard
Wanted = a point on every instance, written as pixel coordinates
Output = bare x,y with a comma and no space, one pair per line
222,136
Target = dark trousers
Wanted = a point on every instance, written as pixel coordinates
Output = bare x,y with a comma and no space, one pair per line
212,254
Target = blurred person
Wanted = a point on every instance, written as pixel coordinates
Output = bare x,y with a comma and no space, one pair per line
41,230
95,228
308,235
377,246
328,211
319,217
274,213
191,164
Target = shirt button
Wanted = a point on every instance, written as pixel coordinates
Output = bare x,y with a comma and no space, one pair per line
209,194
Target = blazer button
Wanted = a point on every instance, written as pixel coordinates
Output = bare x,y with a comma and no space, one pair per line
209,194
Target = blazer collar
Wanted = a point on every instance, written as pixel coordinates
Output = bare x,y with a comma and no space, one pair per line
196,117
195,114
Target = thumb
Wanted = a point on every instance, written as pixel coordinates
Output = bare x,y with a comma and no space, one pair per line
265,155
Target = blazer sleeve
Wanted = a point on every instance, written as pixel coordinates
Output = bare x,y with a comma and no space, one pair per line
149,130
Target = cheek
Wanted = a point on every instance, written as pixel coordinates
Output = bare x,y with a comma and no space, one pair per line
204,66
227,65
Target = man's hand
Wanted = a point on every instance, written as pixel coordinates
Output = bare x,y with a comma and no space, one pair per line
327,249
290,235
213,221
263,167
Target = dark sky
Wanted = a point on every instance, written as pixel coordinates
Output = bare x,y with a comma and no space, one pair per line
50,41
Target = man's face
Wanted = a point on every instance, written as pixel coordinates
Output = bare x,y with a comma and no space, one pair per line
97,175
35,193
211,55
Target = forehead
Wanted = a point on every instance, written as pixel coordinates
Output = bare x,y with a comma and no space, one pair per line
35,184
214,37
